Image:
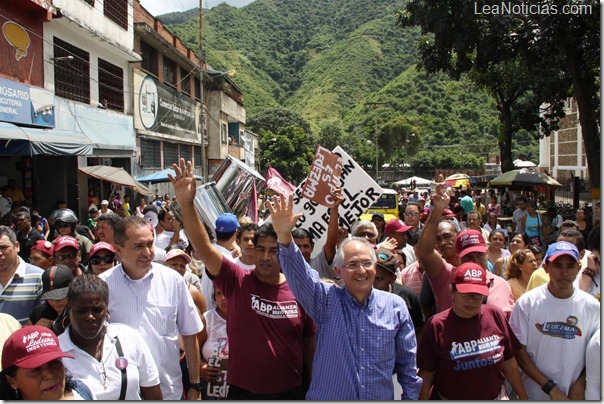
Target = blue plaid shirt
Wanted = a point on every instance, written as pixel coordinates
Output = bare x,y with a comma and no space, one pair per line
358,347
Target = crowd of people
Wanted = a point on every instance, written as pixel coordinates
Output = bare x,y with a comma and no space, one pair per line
136,303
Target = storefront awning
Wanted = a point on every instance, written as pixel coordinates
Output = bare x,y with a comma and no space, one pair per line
116,175
21,140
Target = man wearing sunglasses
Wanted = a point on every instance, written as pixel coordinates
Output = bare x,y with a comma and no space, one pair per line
67,252
364,335
412,218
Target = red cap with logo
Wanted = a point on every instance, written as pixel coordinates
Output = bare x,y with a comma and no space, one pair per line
396,226
64,242
101,245
470,277
43,245
30,347
469,241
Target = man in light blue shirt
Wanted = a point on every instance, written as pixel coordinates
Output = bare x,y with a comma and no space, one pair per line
364,335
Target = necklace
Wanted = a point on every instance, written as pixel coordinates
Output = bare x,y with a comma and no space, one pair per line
103,372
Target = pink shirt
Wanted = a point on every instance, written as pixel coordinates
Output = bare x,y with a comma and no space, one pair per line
500,292
412,277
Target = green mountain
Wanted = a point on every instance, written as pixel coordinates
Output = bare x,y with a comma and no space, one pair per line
326,58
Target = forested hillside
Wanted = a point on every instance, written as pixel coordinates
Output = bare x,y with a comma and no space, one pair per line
325,59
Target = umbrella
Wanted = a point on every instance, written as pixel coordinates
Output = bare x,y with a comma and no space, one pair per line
457,180
116,175
524,177
160,176
419,181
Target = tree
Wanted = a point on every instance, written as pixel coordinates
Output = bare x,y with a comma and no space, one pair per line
275,119
398,139
289,151
479,45
549,45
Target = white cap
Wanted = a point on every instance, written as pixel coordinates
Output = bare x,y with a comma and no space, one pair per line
105,202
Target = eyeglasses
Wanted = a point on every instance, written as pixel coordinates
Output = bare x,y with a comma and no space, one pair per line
412,214
70,256
60,225
107,259
355,265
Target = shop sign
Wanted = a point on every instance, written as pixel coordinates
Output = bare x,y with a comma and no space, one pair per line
23,104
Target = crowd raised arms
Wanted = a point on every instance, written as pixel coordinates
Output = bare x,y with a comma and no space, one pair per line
151,301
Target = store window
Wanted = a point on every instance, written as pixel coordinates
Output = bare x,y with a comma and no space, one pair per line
151,150
170,154
186,152
117,11
111,86
72,76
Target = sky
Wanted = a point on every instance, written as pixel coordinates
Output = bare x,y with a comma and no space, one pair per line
158,7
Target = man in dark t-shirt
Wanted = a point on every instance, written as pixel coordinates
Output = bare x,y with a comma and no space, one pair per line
384,280
26,235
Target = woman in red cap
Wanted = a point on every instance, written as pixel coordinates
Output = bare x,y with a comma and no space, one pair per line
33,370
102,258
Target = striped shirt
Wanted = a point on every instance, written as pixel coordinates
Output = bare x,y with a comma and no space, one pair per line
412,277
22,293
358,347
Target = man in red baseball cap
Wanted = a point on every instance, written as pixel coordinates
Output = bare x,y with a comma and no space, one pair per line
468,342
441,249
41,254
398,230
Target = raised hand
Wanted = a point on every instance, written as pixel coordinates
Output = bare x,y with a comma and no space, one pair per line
389,244
183,182
284,220
440,198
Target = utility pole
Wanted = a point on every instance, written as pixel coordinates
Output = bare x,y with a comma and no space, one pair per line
375,133
201,70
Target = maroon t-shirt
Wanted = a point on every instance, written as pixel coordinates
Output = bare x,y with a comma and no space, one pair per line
467,354
266,328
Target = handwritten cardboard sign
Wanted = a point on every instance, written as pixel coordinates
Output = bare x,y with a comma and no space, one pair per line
323,178
359,191
218,389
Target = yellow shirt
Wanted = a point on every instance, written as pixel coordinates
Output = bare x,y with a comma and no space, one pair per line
538,278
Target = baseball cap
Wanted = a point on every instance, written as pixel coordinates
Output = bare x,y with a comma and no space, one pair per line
470,277
93,210
386,260
448,213
105,202
64,242
562,248
469,241
101,245
177,252
55,282
226,223
378,214
30,347
43,245
396,226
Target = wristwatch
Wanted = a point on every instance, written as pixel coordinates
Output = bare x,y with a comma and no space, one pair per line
548,387
196,386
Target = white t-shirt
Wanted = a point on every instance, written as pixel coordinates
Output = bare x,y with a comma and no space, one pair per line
555,333
141,370
162,240
207,287
592,367
247,267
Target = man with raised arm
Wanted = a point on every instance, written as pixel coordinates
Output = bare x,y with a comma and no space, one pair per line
441,249
271,338
364,334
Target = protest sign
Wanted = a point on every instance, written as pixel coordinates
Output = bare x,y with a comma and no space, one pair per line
323,178
359,191
275,181
218,388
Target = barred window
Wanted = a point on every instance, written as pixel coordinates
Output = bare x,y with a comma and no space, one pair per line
169,71
151,150
72,77
197,155
170,154
186,151
149,55
111,86
185,81
117,11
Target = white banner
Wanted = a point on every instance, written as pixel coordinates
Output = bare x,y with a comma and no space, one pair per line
359,191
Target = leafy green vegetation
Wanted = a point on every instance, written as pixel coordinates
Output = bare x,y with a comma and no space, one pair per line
327,59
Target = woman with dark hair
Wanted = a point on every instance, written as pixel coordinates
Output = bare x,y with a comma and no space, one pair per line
495,250
584,225
518,241
518,271
532,223
33,370
102,258
112,359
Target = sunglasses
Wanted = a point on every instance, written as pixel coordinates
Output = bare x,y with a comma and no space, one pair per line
107,259
60,225
70,256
